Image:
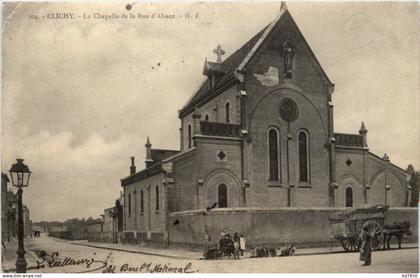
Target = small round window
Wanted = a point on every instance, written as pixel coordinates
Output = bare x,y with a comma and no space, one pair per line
288,110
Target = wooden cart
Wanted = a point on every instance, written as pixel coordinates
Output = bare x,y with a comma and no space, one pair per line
347,225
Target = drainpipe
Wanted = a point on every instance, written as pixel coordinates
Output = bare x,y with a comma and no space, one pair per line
387,187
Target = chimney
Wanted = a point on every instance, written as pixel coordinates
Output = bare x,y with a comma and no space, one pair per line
149,160
133,166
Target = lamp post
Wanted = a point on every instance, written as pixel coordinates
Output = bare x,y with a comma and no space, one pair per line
20,178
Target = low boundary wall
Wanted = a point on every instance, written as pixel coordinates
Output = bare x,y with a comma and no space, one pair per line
69,235
305,227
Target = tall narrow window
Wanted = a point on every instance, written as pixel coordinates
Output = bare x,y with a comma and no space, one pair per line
157,197
273,155
206,118
222,196
189,136
227,111
129,204
303,156
141,201
349,197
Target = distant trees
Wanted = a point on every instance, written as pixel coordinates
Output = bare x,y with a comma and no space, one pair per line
415,184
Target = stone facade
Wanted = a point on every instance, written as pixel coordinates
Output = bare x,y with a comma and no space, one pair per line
259,133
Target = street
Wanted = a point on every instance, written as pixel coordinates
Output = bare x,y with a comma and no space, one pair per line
76,258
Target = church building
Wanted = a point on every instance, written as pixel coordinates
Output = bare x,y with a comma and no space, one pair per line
259,133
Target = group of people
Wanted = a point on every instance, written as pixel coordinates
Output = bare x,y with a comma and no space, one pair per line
257,252
232,245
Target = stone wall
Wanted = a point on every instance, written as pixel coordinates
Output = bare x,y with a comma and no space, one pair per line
144,238
104,237
305,227
405,214
70,235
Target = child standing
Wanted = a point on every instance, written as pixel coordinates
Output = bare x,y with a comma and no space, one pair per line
242,244
236,251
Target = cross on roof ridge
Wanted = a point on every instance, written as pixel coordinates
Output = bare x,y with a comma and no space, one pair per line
219,52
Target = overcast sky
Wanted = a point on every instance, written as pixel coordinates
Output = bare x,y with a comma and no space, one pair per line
80,96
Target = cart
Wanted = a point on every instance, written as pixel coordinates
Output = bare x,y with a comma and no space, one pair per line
347,225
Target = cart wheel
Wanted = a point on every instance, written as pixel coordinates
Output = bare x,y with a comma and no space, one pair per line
350,244
375,232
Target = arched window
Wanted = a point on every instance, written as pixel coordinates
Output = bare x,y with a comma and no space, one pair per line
349,197
206,118
222,194
129,204
273,154
227,111
157,197
303,156
189,136
141,201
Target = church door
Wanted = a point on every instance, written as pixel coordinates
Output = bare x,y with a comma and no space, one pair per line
222,196
349,197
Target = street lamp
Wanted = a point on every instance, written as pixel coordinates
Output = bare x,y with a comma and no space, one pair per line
20,175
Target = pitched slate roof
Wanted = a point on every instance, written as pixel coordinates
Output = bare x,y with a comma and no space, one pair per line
158,154
229,65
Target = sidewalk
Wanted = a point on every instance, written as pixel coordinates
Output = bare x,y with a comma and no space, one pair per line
9,256
339,249
196,255
132,248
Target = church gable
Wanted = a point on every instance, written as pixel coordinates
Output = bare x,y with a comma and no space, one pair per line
285,51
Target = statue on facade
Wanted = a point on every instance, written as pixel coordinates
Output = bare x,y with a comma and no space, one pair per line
288,51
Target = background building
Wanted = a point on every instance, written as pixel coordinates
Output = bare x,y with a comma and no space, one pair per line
9,213
110,227
4,208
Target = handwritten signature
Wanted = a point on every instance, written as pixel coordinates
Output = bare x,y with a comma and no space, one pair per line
54,261
92,264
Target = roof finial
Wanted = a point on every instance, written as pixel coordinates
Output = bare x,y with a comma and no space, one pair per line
219,52
362,128
283,6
